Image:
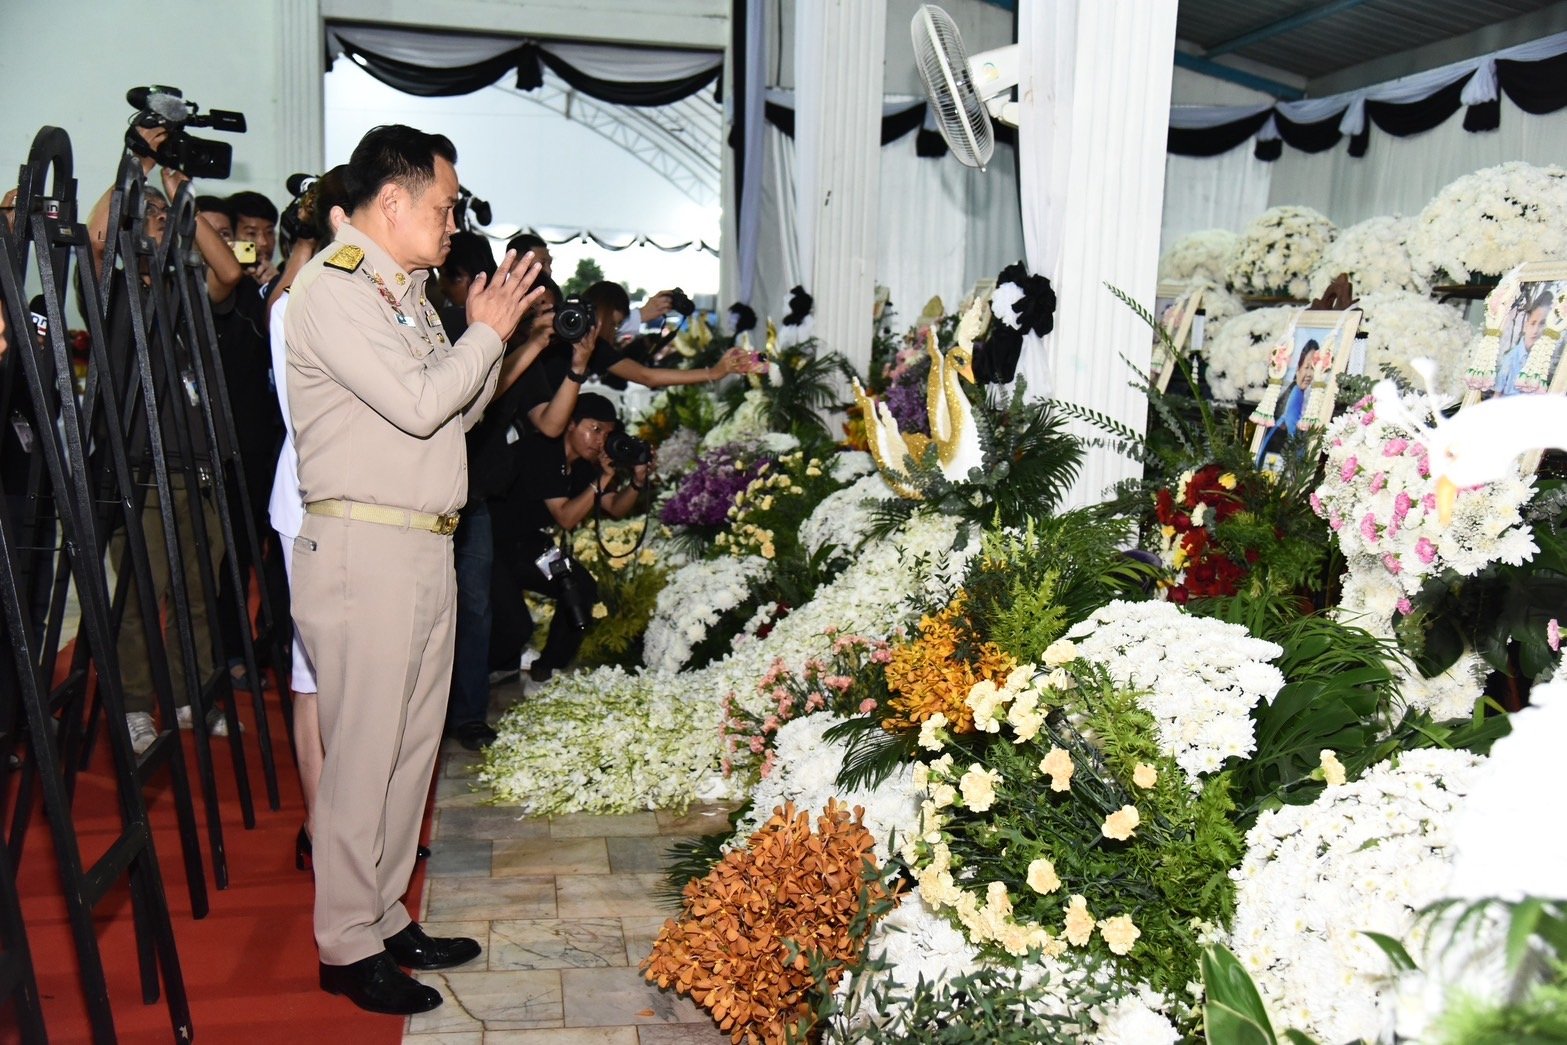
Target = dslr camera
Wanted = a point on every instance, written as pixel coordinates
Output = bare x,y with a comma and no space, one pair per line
292,222
159,106
626,451
573,317
556,565
681,303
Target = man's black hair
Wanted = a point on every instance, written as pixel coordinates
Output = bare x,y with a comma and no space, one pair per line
607,295
593,407
214,205
395,153
470,255
526,241
250,204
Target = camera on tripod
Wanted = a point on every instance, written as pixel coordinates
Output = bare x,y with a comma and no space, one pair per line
159,106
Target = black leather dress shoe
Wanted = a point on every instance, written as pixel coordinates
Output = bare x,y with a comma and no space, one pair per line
376,984
412,948
475,736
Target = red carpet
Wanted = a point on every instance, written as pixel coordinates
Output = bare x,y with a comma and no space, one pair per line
249,966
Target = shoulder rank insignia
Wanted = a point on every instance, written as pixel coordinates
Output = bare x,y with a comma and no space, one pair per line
347,257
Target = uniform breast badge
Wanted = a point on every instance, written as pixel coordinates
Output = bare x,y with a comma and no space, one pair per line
347,257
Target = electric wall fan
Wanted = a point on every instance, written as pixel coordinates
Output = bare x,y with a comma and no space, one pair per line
964,92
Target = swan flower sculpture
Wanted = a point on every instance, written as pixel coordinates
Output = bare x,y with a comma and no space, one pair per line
1484,441
952,427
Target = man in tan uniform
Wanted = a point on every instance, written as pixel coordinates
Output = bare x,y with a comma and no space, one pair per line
380,401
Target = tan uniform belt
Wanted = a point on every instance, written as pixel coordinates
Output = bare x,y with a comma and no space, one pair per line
445,525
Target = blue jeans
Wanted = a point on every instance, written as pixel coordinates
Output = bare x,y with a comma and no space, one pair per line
474,552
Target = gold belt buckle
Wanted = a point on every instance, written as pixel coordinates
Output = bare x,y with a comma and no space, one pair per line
446,525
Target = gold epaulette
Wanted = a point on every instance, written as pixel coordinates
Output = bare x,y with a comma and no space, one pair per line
347,257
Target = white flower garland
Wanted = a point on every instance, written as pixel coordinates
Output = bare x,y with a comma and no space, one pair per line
1199,678
1204,255
1365,856
1484,223
804,771
693,600
1240,351
1401,327
1279,250
1375,255
844,517
659,744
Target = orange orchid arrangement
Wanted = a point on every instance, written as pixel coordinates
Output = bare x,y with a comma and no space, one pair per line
935,671
743,944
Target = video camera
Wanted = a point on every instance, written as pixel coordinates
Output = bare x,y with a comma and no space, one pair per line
470,211
556,565
159,106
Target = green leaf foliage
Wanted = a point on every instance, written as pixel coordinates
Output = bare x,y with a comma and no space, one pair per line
1233,1013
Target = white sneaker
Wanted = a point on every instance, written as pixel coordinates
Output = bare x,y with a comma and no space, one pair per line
143,732
217,725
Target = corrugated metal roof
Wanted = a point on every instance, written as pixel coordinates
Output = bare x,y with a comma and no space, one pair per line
1315,39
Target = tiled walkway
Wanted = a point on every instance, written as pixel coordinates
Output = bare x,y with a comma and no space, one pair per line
566,909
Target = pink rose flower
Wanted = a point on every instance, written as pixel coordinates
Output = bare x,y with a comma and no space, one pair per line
867,705
1553,635
1347,471
1404,606
1401,505
1429,502
1394,447
1316,503
881,656
1425,550
1391,564
1378,481
1335,522
757,743
841,683
1368,528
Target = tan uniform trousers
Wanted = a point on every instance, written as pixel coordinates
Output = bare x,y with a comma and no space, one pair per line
135,663
376,606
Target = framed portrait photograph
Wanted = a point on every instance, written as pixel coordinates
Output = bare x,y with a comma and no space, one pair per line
1178,317
1520,350
1302,383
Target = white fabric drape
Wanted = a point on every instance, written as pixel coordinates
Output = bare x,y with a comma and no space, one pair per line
1092,136
1214,192
749,226
943,225
1400,175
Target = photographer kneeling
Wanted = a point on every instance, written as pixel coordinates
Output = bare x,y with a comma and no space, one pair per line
560,482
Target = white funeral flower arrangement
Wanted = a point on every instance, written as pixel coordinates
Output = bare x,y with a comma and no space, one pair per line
1199,678
1366,856
1485,223
849,465
805,772
1204,255
747,424
697,596
1375,255
660,746
678,453
1278,252
844,518
1238,353
1379,498
1401,327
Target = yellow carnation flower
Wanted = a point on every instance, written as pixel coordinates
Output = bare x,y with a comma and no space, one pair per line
1120,933
1079,923
1121,824
1042,876
1057,765
1145,776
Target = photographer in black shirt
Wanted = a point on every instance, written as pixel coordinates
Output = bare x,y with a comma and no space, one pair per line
560,482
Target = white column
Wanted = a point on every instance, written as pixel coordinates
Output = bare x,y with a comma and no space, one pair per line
1094,107
301,49
839,51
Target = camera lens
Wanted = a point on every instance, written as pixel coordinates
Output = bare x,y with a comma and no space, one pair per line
573,320
627,450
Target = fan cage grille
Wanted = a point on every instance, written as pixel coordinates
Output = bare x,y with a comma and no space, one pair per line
960,114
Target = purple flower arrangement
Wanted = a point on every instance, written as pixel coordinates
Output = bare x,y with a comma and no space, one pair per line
708,491
905,397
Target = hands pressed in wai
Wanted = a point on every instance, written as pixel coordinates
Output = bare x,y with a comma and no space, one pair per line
499,301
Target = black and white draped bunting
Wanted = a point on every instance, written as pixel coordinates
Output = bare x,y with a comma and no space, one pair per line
1532,75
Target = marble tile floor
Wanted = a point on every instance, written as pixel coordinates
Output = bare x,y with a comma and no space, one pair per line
566,909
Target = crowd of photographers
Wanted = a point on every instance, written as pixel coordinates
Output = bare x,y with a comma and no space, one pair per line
547,457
